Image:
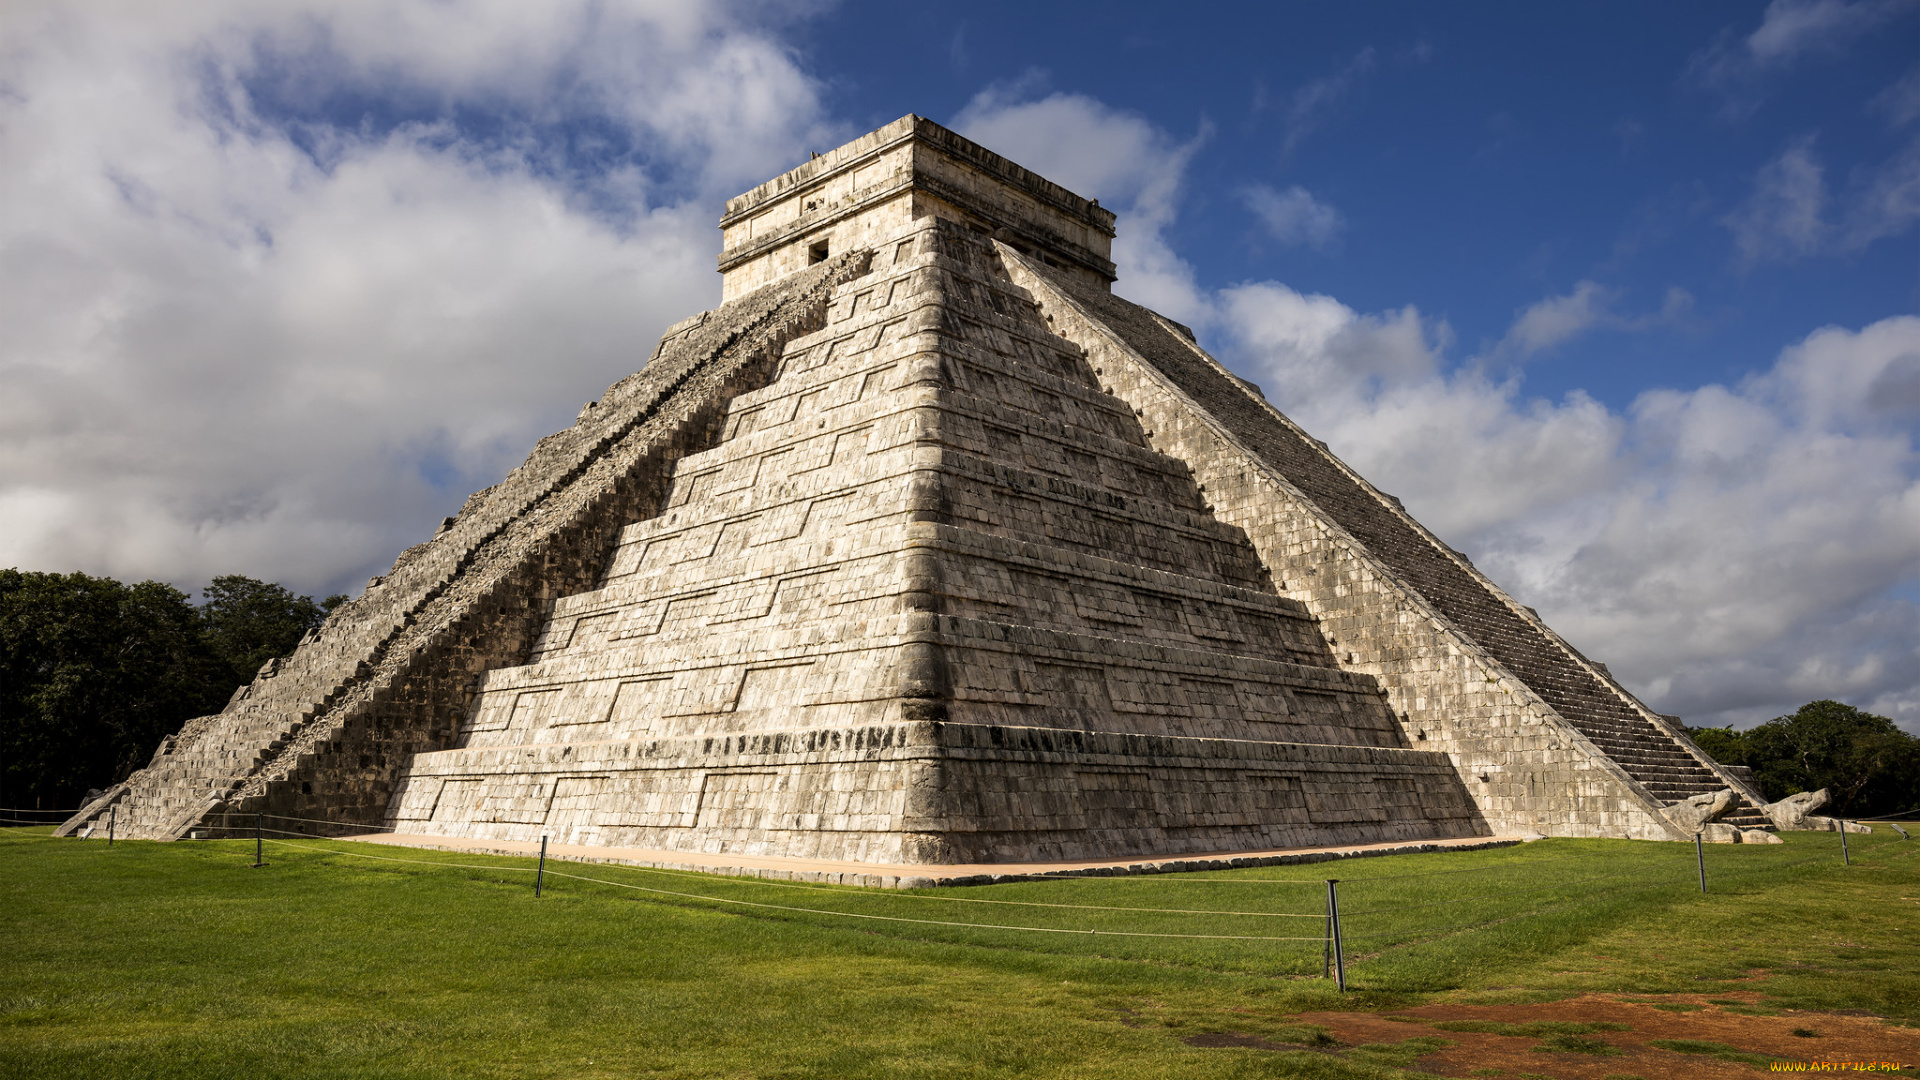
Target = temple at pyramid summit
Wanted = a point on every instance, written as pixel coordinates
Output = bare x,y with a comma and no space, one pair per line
924,548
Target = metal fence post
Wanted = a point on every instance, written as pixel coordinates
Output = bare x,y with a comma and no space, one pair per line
540,871
1844,854
1333,915
259,826
1700,854
1326,954
113,818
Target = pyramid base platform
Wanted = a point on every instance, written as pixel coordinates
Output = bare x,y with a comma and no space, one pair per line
918,793
897,876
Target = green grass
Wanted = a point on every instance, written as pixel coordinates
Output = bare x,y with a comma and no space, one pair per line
179,960
1578,1044
1713,1049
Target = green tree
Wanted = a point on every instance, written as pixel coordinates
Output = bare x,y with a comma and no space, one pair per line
93,674
1722,744
249,622
1869,765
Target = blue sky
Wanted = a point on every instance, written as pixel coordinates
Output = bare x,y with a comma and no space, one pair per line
1479,156
1618,298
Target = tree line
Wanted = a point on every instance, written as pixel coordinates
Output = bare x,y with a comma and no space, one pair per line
94,673
1868,765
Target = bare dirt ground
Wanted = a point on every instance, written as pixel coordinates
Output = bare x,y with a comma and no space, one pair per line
1735,1022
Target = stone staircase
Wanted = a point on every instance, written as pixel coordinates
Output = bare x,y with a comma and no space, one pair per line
324,732
1598,709
190,773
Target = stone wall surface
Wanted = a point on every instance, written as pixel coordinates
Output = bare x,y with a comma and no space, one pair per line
932,598
874,187
324,732
1547,741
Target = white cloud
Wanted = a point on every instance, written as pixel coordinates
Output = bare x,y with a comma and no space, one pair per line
1294,217
1313,102
1793,28
247,334
1551,322
1731,551
243,337
1098,152
1886,202
1786,216
1464,449
1739,68
1557,319
1901,100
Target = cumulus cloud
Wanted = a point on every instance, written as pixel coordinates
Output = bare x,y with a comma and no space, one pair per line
1294,217
284,283
1731,551
1462,448
1762,548
1131,166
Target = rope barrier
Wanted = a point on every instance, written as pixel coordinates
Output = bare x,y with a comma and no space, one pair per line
910,895
907,895
819,911
1489,896
282,832
1402,938
389,858
1523,864
249,828
322,821
1511,918
1889,818
1406,937
1517,864
1808,861
1421,936
939,922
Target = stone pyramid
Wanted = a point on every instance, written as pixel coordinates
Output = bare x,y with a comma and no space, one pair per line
925,548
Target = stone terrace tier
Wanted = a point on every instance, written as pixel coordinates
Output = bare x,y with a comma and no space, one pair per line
325,732
932,515
1660,759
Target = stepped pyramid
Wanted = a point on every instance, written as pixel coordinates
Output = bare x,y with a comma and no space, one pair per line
925,548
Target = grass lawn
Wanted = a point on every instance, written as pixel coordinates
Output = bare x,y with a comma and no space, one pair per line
181,960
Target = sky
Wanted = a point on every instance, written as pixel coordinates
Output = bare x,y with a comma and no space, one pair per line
1619,299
